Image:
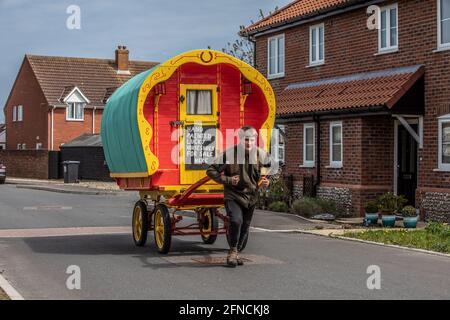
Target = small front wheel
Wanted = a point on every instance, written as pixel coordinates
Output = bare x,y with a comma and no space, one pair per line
162,228
209,223
140,223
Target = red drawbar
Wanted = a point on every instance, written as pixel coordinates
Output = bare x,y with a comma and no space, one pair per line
198,199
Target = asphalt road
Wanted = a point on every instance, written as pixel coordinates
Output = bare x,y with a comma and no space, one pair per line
280,265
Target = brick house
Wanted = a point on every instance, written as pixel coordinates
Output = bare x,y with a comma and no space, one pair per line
56,99
2,136
365,102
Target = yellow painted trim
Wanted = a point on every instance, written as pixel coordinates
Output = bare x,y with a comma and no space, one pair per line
129,175
203,57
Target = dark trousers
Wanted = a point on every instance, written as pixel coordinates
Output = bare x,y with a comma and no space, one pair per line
240,218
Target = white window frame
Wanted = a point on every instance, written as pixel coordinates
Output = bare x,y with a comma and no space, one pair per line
38,145
83,105
441,46
19,146
442,166
318,61
277,74
24,146
389,47
336,164
309,163
20,113
14,113
281,145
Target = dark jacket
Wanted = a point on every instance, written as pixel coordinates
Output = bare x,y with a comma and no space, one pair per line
247,165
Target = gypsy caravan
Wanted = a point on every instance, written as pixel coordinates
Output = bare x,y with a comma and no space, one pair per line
161,127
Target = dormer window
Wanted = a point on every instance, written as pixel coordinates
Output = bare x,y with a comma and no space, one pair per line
76,102
75,111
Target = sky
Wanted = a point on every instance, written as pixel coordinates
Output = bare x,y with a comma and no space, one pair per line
153,30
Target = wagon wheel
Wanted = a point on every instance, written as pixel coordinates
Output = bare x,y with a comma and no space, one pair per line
162,228
208,223
244,243
140,223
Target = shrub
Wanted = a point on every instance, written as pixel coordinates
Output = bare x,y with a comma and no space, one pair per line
311,206
389,203
279,206
371,207
409,211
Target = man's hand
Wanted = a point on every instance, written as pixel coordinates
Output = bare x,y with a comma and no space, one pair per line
264,182
234,180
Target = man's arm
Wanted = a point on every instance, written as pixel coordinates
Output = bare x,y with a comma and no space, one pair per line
216,169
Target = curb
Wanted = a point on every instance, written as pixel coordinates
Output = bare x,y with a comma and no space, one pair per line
57,190
9,290
331,235
393,246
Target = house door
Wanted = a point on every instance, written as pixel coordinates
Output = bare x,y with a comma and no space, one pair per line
198,141
407,164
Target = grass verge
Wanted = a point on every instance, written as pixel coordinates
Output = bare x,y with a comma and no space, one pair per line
435,237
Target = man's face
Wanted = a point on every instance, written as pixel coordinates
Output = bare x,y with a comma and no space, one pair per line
249,142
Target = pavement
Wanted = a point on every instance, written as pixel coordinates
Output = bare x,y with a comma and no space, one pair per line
43,234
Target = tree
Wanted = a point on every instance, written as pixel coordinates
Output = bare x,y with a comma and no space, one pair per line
243,48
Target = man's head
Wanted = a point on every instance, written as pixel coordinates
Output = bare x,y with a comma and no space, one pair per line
248,137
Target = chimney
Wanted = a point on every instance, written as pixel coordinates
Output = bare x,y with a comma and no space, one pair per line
122,60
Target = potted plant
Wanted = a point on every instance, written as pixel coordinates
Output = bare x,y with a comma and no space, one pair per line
390,204
410,217
371,212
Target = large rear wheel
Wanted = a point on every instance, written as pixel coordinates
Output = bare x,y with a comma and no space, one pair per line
140,223
162,228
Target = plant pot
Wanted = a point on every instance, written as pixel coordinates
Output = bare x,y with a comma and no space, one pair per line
371,218
410,222
388,221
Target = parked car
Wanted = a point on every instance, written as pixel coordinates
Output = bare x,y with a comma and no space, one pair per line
2,173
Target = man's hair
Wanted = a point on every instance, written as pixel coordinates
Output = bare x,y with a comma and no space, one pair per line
247,131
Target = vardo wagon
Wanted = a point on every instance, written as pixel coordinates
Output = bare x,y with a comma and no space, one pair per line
161,127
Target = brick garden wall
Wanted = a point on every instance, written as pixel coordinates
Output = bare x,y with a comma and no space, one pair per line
25,163
351,48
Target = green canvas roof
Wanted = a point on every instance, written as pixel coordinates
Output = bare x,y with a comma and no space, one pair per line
120,133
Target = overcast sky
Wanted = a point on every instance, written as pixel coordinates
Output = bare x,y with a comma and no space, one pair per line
151,29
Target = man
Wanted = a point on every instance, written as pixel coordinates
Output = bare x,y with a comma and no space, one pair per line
238,169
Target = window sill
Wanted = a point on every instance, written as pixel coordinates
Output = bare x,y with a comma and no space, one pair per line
387,51
334,167
441,170
275,76
312,65
75,120
441,49
306,166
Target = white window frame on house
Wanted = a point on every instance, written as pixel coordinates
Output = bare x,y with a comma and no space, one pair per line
316,50
24,146
277,73
441,165
19,146
334,163
38,145
73,105
441,45
20,113
14,113
389,47
280,145
309,163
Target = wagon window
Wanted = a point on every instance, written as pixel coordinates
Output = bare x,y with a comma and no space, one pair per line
199,102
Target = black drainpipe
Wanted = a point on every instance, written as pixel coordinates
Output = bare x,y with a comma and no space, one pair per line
317,156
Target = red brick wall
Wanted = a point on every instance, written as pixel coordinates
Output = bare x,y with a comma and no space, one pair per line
26,92
65,130
350,48
25,163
